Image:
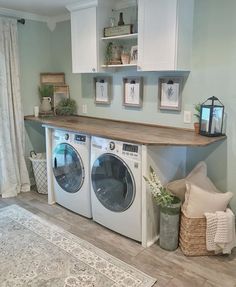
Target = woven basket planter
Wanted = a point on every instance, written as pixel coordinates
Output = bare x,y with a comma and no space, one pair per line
192,240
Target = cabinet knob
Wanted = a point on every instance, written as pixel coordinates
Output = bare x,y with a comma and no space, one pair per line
93,70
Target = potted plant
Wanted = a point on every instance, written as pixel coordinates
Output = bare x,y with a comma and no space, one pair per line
169,212
46,93
196,124
66,107
108,53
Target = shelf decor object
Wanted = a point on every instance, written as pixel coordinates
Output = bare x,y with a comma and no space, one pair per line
102,90
212,118
170,90
134,55
117,30
132,92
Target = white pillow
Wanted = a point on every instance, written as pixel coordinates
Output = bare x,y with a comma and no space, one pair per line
199,200
198,176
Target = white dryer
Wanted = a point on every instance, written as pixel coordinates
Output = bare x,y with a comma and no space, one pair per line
116,186
71,172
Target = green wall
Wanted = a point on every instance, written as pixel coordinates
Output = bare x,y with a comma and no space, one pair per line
212,74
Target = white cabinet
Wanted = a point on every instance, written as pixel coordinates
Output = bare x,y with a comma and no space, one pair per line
84,41
165,34
88,19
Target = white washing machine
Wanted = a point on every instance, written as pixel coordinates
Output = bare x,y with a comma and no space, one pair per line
71,171
116,176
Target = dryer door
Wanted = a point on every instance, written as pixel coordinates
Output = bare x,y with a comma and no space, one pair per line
113,183
68,168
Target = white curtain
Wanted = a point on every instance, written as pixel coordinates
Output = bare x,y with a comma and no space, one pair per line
14,176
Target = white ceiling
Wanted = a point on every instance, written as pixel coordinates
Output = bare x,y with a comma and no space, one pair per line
45,8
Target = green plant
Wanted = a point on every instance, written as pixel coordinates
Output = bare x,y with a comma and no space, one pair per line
108,53
45,91
197,109
160,194
66,107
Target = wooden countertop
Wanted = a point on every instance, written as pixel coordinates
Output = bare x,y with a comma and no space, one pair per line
127,131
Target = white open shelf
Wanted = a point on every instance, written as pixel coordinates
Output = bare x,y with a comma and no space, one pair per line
129,36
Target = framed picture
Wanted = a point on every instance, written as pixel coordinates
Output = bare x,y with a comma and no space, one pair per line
132,92
102,90
134,55
61,92
170,90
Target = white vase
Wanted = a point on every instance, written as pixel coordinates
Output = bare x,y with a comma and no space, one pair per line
46,104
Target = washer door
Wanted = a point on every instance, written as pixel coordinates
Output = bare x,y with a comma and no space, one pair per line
113,182
68,168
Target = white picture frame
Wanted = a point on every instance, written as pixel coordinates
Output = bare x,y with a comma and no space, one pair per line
170,93
132,95
102,90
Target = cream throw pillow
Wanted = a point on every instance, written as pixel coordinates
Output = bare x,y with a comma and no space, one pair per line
198,201
198,176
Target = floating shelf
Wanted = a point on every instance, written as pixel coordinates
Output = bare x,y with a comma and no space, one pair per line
129,36
119,66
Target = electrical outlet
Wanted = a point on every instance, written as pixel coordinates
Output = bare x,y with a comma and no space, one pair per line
187,117
84,109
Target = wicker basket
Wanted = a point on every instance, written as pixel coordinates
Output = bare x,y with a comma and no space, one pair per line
192,240
39,164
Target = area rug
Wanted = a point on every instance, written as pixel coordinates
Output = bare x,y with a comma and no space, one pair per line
37,253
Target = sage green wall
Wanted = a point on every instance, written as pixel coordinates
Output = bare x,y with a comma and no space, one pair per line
35,57
212,74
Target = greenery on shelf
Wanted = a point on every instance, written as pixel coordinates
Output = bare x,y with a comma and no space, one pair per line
197,109
161,195
66,107
108,53
46,91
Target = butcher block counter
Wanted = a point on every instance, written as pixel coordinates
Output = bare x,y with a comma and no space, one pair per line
126,131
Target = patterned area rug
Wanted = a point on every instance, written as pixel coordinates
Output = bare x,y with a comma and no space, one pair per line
37,253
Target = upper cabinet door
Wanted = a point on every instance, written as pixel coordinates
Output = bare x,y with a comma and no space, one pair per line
165,35
84,40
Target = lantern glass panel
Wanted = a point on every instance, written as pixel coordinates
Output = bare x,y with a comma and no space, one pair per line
205,119
217,120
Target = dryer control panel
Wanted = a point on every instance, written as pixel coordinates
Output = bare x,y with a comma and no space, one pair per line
124,149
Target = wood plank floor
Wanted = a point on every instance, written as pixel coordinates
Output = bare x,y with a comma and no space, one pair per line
171,269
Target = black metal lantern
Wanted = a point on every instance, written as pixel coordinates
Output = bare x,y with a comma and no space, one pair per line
211,117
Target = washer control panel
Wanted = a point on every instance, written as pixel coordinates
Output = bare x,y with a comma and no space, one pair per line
80,138
68,137
130,150
112,145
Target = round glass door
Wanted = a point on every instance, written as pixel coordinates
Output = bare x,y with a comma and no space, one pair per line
68,168
113,182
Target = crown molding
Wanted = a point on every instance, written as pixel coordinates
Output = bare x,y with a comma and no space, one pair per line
123,4
50,21
22,14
